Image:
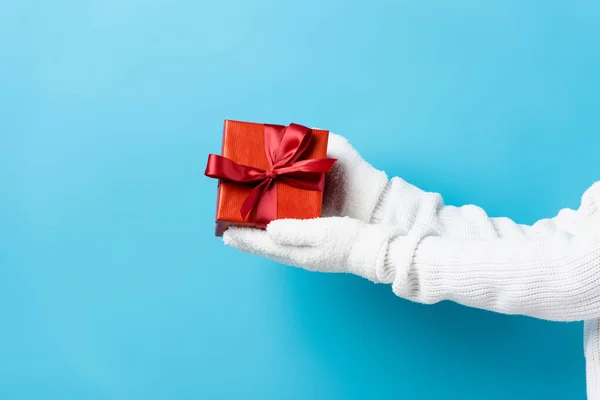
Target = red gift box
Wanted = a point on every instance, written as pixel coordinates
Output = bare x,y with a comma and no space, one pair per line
268,172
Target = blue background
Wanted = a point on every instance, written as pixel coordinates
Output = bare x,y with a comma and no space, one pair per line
112,285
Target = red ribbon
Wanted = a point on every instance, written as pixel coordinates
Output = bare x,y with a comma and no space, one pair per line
283,147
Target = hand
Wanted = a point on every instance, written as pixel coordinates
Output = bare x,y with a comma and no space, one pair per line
332,244
353,187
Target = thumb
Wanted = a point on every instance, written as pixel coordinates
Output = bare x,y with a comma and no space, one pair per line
311,232
339,147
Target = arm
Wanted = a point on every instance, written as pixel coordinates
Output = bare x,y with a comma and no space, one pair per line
556,277
553,275
550,270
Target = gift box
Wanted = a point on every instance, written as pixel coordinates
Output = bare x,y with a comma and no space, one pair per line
268,172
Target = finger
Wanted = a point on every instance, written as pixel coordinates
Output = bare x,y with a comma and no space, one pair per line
251,240
310,232
256,241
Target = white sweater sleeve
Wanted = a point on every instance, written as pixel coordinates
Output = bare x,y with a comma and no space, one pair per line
549,270
407,207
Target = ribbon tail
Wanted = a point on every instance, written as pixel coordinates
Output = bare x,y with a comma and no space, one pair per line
253,199
266,209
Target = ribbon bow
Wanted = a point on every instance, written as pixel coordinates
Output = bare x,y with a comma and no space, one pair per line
283,147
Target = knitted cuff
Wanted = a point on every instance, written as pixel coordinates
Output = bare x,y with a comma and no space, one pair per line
398,261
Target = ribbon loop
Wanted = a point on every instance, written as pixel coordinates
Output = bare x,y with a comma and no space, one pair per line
283,147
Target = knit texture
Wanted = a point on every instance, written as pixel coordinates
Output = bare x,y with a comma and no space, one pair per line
592,357
548,270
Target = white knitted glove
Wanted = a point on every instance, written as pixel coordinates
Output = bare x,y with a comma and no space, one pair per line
335,244
353,187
